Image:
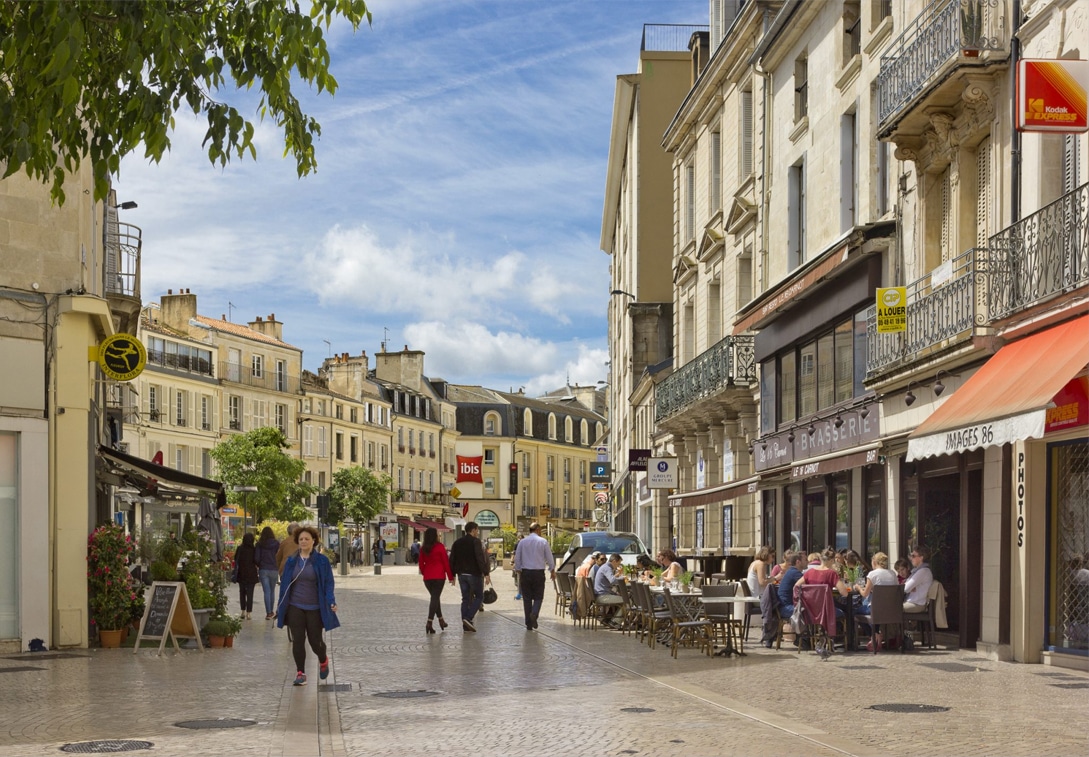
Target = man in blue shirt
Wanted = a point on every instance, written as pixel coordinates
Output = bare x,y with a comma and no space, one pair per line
786,583
531,559
604,583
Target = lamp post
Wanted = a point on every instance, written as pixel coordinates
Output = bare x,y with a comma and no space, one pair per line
245,490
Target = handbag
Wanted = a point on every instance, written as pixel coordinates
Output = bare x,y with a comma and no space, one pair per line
490,595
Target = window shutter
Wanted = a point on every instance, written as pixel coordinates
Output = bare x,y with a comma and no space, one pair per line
1070,163
947,220
983,192
746,133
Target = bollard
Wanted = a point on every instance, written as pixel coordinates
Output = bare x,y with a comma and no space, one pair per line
378,569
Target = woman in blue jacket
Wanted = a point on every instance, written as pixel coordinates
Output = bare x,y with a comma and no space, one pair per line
307,604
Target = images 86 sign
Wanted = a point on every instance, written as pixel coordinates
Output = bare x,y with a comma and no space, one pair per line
662,473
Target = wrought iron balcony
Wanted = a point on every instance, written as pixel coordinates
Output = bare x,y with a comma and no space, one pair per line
243,374
943,307
122,264
728,363
1040,257
946,34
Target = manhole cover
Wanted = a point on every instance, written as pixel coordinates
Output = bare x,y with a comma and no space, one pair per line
198,725
334,687
406,694
908,708
21,669
106,747
953,667
637,709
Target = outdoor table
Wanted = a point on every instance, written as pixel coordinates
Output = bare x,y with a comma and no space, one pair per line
847,604
730,647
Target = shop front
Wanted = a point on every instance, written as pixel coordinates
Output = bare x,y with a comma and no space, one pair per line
996,478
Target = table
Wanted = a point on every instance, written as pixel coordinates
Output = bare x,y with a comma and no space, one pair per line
847,604
730,647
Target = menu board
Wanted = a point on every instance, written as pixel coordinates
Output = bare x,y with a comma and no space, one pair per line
168,614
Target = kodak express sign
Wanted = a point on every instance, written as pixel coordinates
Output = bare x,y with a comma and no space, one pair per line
1051,95
469,469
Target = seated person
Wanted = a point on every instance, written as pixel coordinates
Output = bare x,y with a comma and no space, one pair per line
667,558
918,583
644,564
596,565
605,587
854,571
791,576
826,574
780,567
903,569
583,570
879,576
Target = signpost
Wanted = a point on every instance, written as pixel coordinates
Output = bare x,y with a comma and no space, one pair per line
162,618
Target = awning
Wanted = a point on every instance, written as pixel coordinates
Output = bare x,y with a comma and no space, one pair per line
146,474
440,527
1006,400
711,495
411,524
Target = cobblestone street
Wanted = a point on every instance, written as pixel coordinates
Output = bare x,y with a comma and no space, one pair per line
506,691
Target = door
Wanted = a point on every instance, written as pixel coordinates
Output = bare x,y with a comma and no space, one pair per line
939,531
234,365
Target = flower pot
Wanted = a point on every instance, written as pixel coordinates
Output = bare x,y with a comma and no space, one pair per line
109,639
124,634
216,642
228,642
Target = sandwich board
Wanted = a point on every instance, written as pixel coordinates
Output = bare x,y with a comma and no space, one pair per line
168,613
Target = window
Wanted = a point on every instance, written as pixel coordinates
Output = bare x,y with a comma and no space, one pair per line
848,162
338,411
852,30
431,445
796,217
567,470
400,439
489,485
826,378
205,412
308,440
234,412
550,473
946,189
489,455
689,202
582,471
527,422
281,376
260,410
154,398
258,364
584,432
525,465
323,450
983,193
716,172
338,446
568,430
788,386
801,88
745,162
491,424
882,183
551,425
281,417
181,403
353,415
370,455
744,275
807,380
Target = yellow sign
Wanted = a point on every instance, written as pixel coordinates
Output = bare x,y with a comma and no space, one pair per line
455,492
891,310
122,357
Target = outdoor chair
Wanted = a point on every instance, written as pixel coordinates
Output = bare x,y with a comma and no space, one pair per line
818,617
886,612
687,630
563,593
926,622
721,615
750,609
627,613
655,619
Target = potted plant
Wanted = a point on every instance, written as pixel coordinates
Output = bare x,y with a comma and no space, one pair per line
109,585
657,573
217,630
686,581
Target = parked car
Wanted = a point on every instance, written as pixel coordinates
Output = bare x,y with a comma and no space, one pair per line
628,545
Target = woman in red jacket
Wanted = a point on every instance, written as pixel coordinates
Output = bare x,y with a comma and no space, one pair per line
435,568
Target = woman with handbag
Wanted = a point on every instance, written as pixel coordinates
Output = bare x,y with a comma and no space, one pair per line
245,566
435,569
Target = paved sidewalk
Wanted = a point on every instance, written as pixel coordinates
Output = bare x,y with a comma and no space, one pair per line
504,691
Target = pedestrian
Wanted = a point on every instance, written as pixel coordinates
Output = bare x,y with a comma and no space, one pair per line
245,563
414,550
307,603
435,569
515,572
267,574
287,547
467,560
532,558
379,549
357,550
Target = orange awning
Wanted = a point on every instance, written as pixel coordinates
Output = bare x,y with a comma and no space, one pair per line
1006,400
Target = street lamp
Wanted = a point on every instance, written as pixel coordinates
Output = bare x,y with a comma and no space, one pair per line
621,291
245,490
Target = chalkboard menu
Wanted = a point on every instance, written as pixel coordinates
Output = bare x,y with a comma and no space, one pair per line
168,613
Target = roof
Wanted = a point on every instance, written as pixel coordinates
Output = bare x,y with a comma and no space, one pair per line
242,331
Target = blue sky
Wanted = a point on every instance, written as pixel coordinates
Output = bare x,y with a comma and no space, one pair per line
456,208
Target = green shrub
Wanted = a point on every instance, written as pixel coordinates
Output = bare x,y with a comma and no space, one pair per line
217,627
161,570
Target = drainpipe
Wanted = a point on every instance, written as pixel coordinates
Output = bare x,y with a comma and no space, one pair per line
1015,136
765,76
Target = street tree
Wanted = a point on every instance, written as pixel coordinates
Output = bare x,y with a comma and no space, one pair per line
95,79
259,458
357,494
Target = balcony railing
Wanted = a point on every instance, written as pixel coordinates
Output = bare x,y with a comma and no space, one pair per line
122,264
271,380
669,38
421,497
728,363
947,30
945,304
1041,256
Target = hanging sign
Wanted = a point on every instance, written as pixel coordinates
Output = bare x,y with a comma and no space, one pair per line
891,310
121,357
1051,95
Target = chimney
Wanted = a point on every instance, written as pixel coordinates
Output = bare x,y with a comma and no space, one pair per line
268,326
175,310
405,368
346,374
700,47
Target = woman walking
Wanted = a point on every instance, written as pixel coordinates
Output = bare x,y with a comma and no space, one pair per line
245,560
307,604
435,568
267,574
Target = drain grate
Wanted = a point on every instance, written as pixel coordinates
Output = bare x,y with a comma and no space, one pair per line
108,746
406,694
334,687
954,667
199,725
861,667
908,708
21,669
637,709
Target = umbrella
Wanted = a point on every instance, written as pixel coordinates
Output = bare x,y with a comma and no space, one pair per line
208,521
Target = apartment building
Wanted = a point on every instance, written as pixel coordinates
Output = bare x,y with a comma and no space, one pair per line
363,414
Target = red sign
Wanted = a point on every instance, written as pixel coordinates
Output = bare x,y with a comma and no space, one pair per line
1071,406
465,510
469,469
1051,95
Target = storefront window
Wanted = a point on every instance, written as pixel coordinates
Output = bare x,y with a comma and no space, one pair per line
1069,474
807,380
845,371
769,520
793,503
788,378
874,509
861,343
826,371
817,515
767,396
841,486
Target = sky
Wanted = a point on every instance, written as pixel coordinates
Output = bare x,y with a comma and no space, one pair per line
456,208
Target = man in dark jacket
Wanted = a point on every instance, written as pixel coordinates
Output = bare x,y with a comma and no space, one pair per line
467,560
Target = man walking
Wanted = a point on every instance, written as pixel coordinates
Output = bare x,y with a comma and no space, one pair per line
379,549
288,547
467,560
532,558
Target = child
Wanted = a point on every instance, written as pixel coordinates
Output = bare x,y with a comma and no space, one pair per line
903,569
